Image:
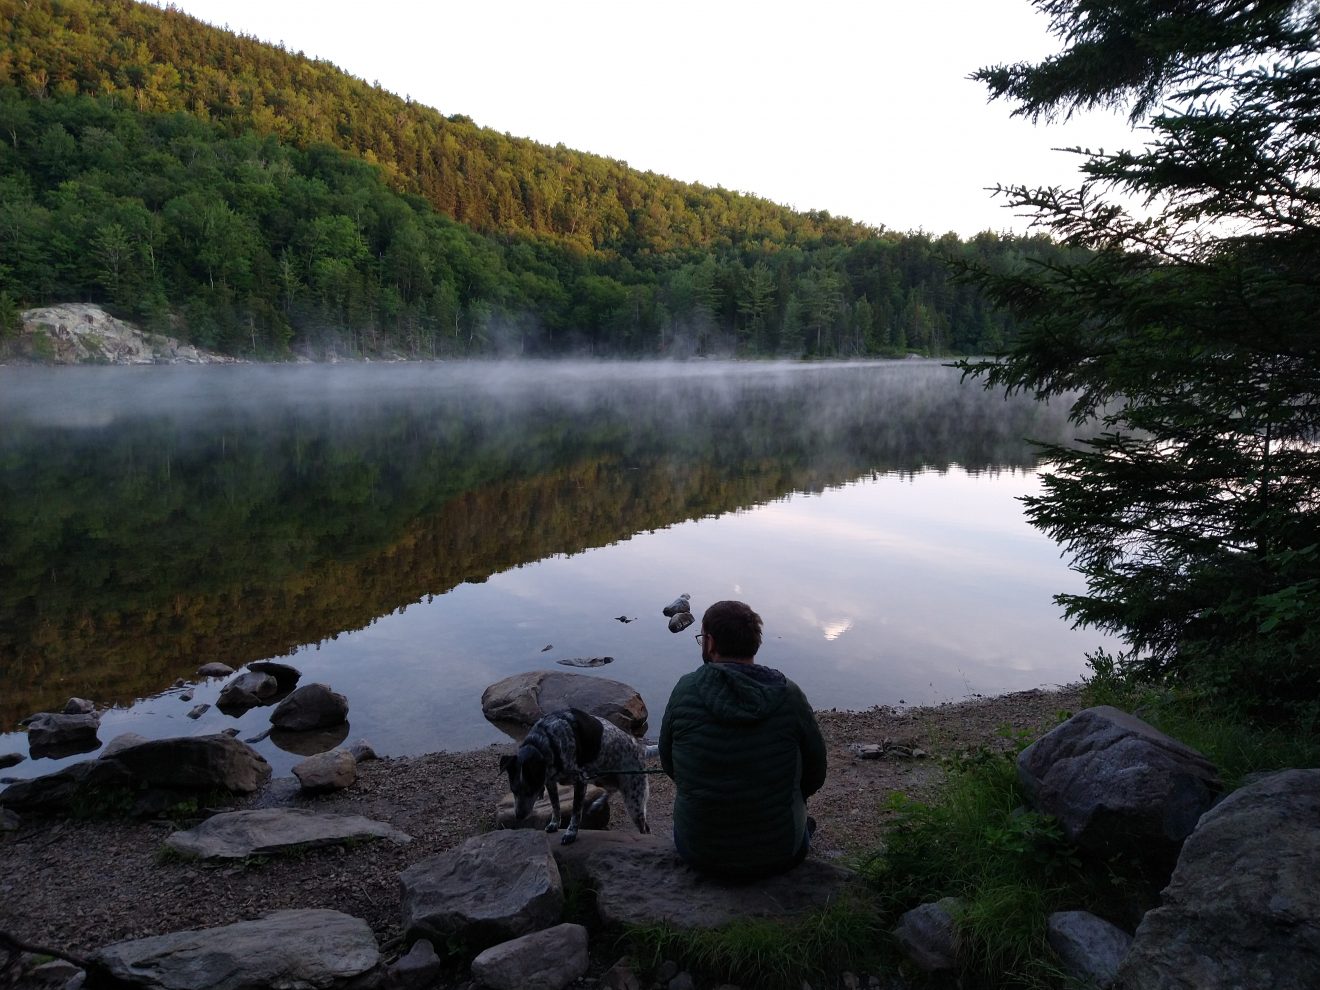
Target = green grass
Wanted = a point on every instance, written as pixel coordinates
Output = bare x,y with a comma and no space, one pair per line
774,954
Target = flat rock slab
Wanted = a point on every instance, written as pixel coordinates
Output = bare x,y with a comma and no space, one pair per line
325,950
640,879
270,831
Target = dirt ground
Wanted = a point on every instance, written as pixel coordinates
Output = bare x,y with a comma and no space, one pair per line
76,885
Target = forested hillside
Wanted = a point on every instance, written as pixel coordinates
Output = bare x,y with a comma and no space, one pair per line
250,199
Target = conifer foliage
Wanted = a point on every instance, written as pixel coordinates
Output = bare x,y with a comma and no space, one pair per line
1187,337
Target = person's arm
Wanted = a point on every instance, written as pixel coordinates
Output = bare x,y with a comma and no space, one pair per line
667,740
813,750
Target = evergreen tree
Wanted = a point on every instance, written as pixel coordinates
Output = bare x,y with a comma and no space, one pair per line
1186,337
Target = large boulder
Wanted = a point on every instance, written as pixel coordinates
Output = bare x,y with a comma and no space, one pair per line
490,889
57,735
312,706
89,784
640,880
309,948
1114,781
515,703
545,960
270,831
1243,907
196,763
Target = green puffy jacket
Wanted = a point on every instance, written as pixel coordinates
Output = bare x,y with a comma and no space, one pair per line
744,749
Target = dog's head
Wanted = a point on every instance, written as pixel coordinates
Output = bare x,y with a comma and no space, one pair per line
526,779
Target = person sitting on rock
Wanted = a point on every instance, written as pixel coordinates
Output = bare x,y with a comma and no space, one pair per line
742,745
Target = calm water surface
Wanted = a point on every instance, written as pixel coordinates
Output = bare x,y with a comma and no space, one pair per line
409,535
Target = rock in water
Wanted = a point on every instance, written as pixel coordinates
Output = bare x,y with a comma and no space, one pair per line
680,621
585,661
516,702
312,706
680,604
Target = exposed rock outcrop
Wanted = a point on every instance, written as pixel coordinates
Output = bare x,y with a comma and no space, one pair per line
84,333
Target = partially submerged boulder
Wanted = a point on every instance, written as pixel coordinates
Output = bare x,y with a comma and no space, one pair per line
196,763
1113,781
89,782
271,831
248,690
515,703
1243,907
57,735
492,888
286,677
307,948
312,706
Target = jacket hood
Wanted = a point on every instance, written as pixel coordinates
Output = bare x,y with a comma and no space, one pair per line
736,692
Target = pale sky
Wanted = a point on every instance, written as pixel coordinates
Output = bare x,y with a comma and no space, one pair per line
860,108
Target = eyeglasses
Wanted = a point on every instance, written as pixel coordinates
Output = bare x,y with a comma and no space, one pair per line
699,637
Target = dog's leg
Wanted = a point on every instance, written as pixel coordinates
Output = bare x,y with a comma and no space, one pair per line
636,792
552,789
579,795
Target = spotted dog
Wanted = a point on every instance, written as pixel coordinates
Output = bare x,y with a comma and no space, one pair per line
570,746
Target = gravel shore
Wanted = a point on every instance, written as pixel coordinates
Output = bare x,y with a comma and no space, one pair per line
76,885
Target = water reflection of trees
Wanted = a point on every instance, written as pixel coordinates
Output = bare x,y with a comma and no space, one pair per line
134,551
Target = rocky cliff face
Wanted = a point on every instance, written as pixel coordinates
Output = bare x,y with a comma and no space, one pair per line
82,333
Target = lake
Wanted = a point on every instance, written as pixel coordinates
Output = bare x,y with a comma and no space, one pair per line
409,534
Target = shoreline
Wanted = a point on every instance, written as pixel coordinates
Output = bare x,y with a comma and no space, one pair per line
77,885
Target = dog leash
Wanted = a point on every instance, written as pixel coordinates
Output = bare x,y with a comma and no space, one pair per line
607,773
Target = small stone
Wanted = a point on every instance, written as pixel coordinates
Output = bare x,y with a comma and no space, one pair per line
620,976
199,710
866,751
120,742
9,822
362,751
11,760
214,670
419,969
683,981
667,971
78,706
180,682
186,695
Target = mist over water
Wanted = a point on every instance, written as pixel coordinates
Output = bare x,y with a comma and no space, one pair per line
409,534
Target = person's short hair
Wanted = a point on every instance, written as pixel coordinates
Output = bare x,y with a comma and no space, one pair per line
734,627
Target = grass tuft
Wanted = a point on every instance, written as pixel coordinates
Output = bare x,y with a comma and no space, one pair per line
773,954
